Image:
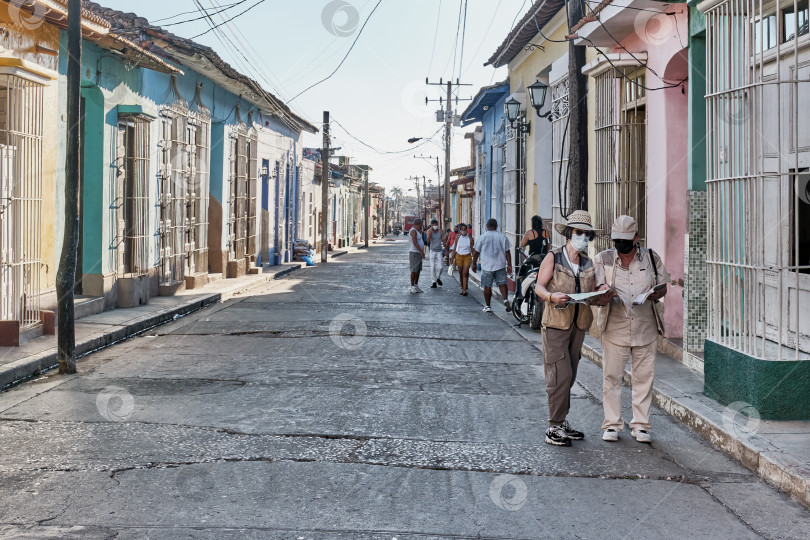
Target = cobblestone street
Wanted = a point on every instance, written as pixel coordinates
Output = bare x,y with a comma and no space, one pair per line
331,403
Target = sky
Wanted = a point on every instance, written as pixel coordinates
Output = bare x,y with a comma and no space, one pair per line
378,93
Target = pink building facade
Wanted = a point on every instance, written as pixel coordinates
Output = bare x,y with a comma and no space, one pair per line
641,87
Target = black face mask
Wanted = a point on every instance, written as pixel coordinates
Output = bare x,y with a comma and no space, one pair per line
624,246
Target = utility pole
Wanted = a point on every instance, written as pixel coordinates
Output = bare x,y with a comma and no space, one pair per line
66,274
578,117
448,125
325,186
367,208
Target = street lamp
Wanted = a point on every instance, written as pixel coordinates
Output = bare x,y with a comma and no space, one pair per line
537,93
512,114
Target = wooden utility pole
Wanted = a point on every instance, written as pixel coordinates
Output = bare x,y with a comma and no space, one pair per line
325,187
366,207
448,125
66,274
578,118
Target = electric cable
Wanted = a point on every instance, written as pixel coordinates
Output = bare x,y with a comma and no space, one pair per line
481,43
463,34
424,141
455,43
224,8
435,35
359,33
229,20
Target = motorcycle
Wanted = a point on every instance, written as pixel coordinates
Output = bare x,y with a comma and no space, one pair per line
525,305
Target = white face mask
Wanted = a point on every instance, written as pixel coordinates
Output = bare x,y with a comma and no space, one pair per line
580,242
463,233
435,227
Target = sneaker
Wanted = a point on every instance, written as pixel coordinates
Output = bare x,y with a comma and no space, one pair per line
433,286
642,435
418,289
556,435
487,309
413,290
573,434
450,271
439,282
507,305
610,435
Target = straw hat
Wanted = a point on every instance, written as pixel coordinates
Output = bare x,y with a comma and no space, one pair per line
579,219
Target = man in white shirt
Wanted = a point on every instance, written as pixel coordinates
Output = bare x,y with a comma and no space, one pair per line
496,262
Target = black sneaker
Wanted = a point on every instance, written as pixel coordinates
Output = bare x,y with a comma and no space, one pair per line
556,435
573,434
439,282
433,286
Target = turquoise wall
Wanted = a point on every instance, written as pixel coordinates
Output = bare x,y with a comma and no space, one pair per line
697,99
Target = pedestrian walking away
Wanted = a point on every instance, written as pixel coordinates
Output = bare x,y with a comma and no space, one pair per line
451,243
463,249
630,321
416,254
565,270
537,239
496,262
435,241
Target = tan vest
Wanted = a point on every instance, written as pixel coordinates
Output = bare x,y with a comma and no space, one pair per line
563,280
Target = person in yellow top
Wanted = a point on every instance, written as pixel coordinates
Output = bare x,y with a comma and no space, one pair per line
628,330
565,270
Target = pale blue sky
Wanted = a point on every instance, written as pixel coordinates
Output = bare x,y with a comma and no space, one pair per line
379,92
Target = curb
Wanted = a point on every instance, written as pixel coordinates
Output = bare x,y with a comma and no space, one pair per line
752,451
25,368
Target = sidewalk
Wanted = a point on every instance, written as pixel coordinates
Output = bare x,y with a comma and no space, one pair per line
109,327
779,452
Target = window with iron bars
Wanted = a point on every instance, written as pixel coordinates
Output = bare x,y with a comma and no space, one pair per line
243,185
621,161
184,151
132,198
559,157
758,201
21,123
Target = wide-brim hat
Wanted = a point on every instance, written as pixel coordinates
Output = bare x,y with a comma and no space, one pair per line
624,228
579,219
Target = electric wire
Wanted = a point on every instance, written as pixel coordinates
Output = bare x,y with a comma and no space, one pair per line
463,34
224,8
435,35
359,33
510,43
481,43
377,150
285,117
455,43
229,20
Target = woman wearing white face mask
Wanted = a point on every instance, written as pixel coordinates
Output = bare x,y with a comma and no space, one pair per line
565,270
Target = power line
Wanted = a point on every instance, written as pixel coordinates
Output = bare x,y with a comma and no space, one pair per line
224,8
455,43
435,35
510,43
481,43
463,34
229,20
410,149
310,87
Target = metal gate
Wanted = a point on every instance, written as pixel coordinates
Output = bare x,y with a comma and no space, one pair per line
21,106
758,155
132,194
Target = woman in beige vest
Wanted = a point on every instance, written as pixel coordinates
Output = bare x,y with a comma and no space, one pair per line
565,271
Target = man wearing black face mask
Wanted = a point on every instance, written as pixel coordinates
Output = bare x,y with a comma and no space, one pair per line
628,329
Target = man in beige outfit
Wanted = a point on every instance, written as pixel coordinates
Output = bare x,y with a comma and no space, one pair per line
628,330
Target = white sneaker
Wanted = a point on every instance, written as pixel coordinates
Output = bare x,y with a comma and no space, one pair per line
418,289
642,435
487,309
610,435
414,290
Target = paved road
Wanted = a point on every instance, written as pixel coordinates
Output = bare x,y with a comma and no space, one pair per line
333,404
